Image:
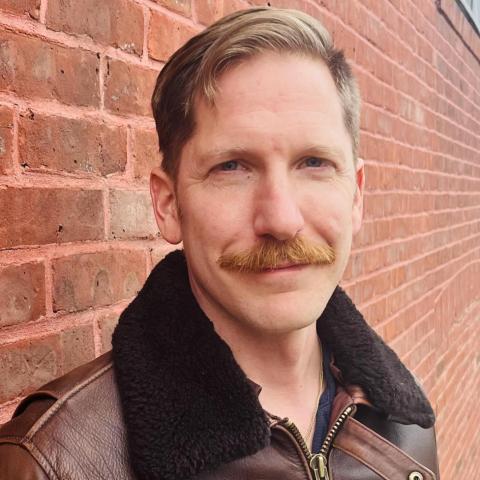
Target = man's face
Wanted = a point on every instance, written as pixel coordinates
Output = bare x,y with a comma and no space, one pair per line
270,162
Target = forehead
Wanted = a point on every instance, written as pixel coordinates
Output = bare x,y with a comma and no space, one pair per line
285,77
271,101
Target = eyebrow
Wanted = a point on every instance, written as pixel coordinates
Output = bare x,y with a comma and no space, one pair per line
334,153
219,154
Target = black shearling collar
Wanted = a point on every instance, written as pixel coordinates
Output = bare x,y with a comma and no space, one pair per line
187,404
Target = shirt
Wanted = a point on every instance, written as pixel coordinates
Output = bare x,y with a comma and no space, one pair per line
325,403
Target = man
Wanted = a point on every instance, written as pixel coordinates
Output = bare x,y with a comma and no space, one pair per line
241,357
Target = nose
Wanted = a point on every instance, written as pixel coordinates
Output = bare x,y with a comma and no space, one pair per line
277,213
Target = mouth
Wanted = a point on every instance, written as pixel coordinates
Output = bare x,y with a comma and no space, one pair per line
286,267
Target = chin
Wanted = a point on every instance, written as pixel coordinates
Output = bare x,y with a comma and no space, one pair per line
281,313
280,319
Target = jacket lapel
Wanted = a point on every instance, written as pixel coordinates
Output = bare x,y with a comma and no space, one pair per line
188,406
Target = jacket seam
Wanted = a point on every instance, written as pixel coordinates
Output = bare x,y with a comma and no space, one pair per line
41,459
368,465
61,401
415,462
42,462
392,445
361,460
27,441
11,439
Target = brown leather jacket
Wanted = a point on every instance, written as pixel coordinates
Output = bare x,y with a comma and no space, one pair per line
172,404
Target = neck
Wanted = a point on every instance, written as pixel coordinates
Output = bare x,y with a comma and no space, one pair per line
278,362
287,366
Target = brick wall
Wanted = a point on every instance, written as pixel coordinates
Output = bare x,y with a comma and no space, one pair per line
77,141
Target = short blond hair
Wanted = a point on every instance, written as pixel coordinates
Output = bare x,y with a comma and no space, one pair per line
194,69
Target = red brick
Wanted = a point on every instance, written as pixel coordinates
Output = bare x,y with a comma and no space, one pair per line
22,7
230,6
71,145
22,293
384,124
159,252
78,346
6,411
180,6
6,139
129,88
146,154
34,68
346,41
208,11
118,23
26,365
33,216
166,35
131,215
384,70
106,325
29,364
95,279
419,136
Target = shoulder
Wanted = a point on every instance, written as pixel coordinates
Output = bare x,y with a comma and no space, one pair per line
63,393
72,419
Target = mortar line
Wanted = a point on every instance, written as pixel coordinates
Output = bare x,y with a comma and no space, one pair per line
43,12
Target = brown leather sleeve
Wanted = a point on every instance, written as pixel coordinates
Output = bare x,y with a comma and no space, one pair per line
16,463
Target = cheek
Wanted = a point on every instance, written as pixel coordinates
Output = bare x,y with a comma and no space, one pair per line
330,217
213,221
332,227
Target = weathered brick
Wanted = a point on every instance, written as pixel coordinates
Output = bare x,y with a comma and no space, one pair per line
26,365
230,6
166,35
419,137
6,139
78,346
118,23
35,68
22,293
106,325
33,216
71,145
128,88
159,252
95,279
181,6
6,411
209,11
146,154
22,7
131,215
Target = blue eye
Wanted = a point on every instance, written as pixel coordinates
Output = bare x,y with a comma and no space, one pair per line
313,162
229,166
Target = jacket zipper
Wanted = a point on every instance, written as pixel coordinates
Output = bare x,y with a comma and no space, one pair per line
318,461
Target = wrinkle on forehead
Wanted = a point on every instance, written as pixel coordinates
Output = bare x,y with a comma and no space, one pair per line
287,69
278,104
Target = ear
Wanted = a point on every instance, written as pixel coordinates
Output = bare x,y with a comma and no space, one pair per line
162,191
357,211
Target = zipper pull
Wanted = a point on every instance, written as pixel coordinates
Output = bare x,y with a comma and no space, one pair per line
318,463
